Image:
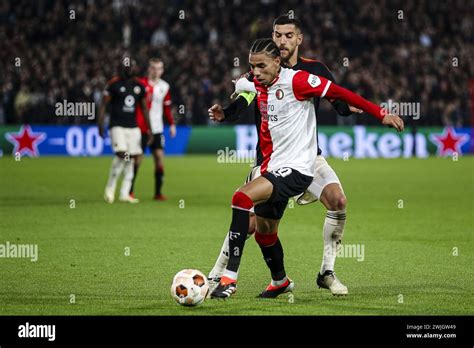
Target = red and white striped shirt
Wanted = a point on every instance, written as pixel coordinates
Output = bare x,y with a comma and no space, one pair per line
288,128
158,99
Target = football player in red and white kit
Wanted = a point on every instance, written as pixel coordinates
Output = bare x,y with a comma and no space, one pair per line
158,98
289,146
326,187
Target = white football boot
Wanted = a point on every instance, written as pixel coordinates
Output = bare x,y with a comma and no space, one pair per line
329,281
129,199
109,195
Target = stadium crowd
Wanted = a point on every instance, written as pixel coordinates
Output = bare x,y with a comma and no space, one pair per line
407,51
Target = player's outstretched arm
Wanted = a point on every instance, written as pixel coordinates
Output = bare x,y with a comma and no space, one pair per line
356,100
307,86
342,108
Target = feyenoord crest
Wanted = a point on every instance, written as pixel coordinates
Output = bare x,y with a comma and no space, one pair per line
279,94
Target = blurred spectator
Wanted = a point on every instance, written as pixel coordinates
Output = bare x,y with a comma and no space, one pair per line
407,51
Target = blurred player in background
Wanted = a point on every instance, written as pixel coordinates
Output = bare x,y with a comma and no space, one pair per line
158,101
124,93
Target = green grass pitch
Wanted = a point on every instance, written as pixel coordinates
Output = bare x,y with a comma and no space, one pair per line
418,260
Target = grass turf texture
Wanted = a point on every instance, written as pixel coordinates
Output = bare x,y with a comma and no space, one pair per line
408,251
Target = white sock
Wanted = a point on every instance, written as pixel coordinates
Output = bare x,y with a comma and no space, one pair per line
222,260
279,282
230,274
115,171
333,231
127,178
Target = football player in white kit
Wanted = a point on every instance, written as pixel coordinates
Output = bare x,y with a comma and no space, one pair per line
288,143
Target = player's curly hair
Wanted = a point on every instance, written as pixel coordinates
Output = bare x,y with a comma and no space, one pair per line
267,46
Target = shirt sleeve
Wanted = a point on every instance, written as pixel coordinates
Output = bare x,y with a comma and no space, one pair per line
237,107
306,85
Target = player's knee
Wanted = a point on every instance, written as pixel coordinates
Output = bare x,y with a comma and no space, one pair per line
266,239
241,201
341,202
338,202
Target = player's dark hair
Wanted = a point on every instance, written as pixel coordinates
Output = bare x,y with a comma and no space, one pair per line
287,19
154,60
128,68
267,46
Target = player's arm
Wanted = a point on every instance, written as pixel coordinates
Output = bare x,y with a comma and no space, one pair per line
233,111
146,116
245,91
342,108
306,85
167,112
103,106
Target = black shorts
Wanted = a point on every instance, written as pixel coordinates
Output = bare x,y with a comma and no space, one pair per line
287,183
158,141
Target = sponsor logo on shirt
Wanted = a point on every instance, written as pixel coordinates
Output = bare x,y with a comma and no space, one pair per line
314,81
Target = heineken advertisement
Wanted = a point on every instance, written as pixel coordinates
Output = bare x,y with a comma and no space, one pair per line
239,141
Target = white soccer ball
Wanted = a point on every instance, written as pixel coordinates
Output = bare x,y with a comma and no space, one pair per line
189,287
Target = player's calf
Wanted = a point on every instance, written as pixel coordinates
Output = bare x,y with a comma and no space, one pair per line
273,255
241,206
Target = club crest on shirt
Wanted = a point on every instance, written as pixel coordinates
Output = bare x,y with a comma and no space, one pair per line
279,94
314,81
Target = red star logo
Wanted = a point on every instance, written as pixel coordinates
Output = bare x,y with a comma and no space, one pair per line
449,141
26,141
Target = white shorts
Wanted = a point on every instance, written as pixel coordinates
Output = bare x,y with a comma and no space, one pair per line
323,176
126,140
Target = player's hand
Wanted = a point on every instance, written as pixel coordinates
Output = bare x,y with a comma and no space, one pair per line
149,138
173,131
102,131
216,113
394,121
355,110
